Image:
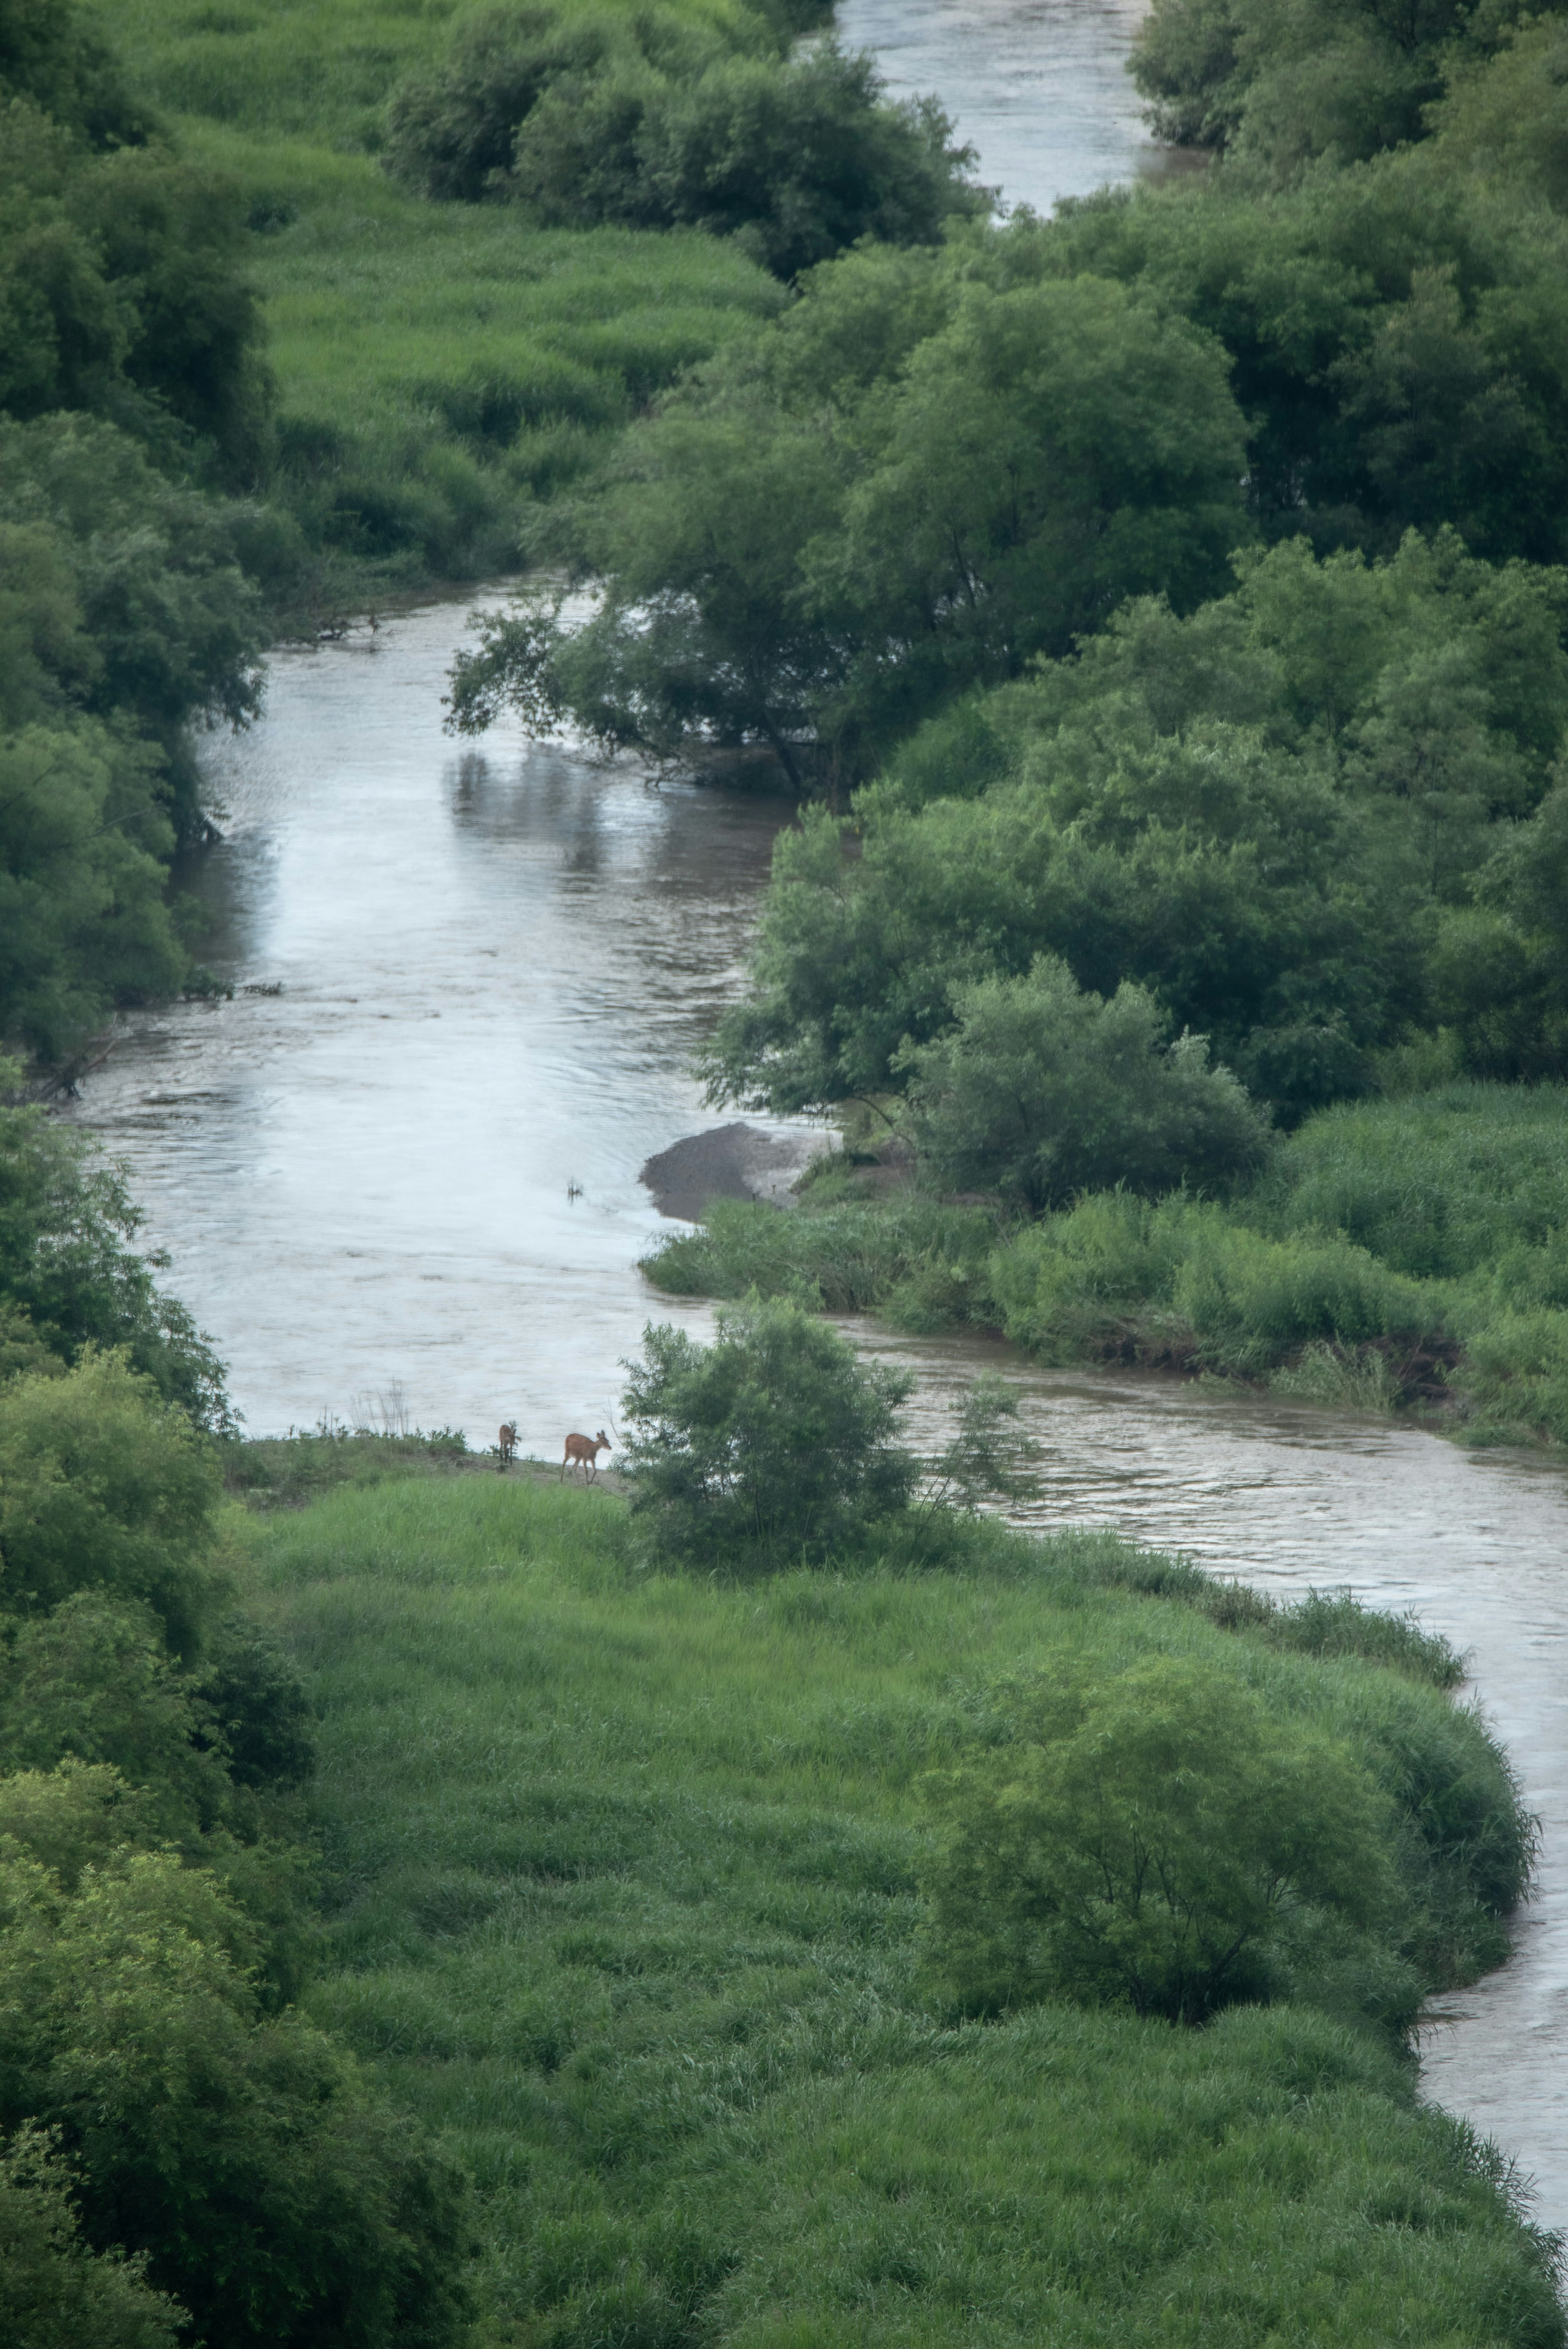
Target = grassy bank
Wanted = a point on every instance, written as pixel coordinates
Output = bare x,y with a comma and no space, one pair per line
624,1898
438,366
1396,1254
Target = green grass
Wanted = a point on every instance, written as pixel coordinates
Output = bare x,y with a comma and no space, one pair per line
297,67
1399,1253
1440,1185
624,1900
440,368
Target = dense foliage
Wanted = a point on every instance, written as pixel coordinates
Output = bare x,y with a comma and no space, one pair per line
1039,1091
152,1930
1152,1843
55,2291
1277,86
583,116
1303,818
131,384
773,1447
936,465
70,1276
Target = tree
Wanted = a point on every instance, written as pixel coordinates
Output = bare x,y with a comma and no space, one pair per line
1282,82
93,1681
1041,1091
105,1486
1143,1842
71,1275
1498,969
772,1447
1251,811
55,2291
655,121
909,484
800,159
271,2192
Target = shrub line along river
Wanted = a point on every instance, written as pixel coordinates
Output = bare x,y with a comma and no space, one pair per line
397,1173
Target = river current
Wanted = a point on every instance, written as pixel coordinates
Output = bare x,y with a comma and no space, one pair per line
396,1171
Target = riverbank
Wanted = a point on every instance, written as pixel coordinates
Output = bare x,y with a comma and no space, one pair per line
1401,1256
624,1897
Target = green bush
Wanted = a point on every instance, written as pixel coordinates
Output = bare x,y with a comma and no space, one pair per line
273,2195
587,118
772,1447
104,1487
257,1705
55,2291
92,1681
69,1276
1144,1843
1040,1090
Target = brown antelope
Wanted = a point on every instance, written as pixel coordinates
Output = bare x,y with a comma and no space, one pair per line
508,1441
583,1452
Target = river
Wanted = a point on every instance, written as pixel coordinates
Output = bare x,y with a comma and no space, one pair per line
396,1171
1039,88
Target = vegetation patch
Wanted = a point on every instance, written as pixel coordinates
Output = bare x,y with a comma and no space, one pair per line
636,1890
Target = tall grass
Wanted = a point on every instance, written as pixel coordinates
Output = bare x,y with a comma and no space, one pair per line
624,1898
440,368
1397,1252
1438,1186
297,67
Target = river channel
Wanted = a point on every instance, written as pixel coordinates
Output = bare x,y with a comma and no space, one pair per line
396,1171
397,1174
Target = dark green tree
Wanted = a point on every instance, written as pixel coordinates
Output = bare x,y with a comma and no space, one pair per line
105,1486
1142,1843
55,2291
1040,1090
773,1447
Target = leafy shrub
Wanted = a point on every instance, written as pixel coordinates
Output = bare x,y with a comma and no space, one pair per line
257,1705
55,2291
92,1681
1040,1090
452,135
773,1447
274,2196
587,119
800,161
104,1487
1142,1843
69,1276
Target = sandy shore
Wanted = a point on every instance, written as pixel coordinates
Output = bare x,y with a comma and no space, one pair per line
730,1162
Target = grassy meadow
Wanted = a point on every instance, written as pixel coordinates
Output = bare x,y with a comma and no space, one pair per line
438,366
621,1900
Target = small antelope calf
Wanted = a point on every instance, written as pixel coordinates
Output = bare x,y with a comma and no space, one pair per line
583,1452
508,1441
